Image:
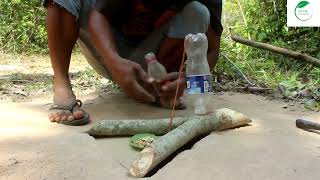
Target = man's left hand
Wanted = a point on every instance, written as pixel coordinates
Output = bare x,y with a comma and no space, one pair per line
168,85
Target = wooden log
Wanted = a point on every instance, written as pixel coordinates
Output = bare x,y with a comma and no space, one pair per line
132,127
307,125
163,147
278,50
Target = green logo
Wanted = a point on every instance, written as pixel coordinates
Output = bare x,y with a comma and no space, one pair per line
303,11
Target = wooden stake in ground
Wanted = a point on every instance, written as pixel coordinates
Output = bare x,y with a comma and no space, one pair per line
163,147
274,49
132,127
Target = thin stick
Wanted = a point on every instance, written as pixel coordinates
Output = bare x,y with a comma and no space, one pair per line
127,168
238,70
254,89
243,17
177,90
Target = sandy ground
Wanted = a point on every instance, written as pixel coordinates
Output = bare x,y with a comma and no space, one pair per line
271,148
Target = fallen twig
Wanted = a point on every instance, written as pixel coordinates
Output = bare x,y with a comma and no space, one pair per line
238,70
278,50
254,89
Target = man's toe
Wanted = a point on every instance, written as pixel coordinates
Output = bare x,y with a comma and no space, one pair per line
77,112
63,118
51,118
70,118
56,116
57,119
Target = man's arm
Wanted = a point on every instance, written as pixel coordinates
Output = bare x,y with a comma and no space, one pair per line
213,47
125,72
102,37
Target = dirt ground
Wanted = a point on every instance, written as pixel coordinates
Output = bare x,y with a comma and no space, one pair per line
271,148
33,148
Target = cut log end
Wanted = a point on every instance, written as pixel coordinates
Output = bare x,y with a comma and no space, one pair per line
230,119
141,166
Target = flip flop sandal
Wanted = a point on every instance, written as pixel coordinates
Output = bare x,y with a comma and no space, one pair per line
76,122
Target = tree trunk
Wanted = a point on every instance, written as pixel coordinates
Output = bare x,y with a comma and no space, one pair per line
163,147
274,49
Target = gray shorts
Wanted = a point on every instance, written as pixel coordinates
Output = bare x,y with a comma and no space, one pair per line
194,18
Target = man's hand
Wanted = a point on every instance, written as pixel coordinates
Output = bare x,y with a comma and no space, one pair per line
166,90
128,74
164,18
169,85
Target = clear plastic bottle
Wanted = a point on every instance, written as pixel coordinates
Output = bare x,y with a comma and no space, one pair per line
155,69
198,71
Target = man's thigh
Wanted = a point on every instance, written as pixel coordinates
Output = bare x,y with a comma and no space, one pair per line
193,18
78,8
72,7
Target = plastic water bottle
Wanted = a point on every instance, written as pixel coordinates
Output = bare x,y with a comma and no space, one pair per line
155,69
198,71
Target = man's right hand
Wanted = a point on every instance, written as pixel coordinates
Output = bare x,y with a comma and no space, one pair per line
128,74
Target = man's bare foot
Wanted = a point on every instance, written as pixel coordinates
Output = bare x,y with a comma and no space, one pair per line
64,97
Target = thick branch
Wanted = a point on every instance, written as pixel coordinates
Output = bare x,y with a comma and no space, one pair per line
132,127
274,49
308,125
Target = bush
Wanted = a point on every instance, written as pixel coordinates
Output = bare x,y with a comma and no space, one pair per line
270,25
22,26
266,22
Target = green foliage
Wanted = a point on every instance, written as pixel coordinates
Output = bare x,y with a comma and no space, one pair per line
269,25
22,26
22,30
266,22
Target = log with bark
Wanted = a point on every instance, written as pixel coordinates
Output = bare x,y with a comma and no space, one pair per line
163,147
132,127
307,125
186,129
278,50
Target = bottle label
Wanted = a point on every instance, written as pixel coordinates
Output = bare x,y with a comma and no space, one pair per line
199,84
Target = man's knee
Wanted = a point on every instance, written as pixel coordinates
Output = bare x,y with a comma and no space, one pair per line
197,13
71,6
